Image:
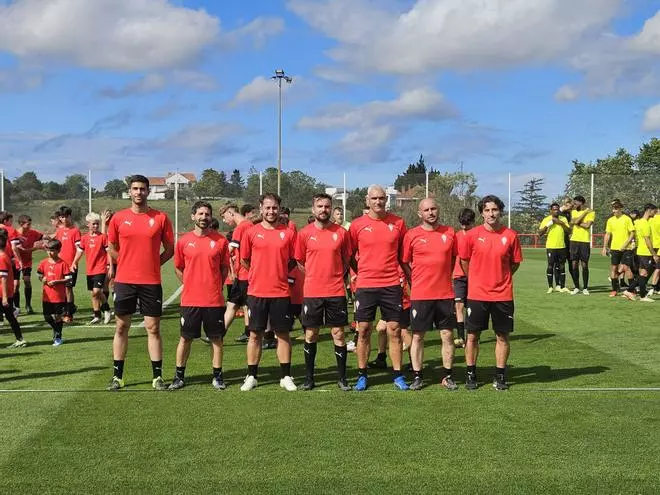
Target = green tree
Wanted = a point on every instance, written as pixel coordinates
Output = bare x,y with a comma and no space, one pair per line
53,190
236,184
76,186
115,188
531,207
211,184
296,187
27,182
415,175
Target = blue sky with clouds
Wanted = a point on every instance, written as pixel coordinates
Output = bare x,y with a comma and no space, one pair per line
520,86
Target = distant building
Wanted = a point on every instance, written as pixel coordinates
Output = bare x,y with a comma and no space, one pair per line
158,186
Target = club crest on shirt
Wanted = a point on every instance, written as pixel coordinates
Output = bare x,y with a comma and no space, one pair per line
305,309
282,234
391,227
191,244
444,238
335,236
503,241
183,321
414,313
212,244
151,222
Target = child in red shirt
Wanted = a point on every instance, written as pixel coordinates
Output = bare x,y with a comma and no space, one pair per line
7,290
55,274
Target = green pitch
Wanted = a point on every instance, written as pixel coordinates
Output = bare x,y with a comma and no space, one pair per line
535,438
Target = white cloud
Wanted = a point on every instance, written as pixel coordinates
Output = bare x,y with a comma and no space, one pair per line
566,93
454,34
652,119
260,90
260,29
155,82
648,40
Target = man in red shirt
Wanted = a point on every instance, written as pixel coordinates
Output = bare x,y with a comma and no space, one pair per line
94,245
267,251
7,291
239,287
69,235
466,221
14,249
55,274
490,256
323,253
429,252
376,239
30,242
201,263
135,236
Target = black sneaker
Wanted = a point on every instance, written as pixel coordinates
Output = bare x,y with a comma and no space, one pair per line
269,344
499,383
449,383
218,383
176,384
378,364
417,383
344,386
471,381
308,384
244,337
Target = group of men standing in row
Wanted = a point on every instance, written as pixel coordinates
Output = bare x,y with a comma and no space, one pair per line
377,247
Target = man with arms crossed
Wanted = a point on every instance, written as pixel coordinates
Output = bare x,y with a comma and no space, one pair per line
201,263
323,254
376,240
619,234
648,258
135,236
490,256
267,252
429,253
582,218
555,226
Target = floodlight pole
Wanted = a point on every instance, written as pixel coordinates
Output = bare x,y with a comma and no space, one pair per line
2,189
89,188
279,75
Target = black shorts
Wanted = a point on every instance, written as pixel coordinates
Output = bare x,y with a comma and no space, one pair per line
261,310
621,258
404,323
55,309
460,289
387,298
96,281
239,295
579,251
17,272
320,312
556,256
426,315
211,318
127,295
479,312
26,271
646,263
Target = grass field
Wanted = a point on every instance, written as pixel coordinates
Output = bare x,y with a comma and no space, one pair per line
62,433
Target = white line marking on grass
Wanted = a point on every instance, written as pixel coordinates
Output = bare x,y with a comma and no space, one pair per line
603,389
168,301
70,391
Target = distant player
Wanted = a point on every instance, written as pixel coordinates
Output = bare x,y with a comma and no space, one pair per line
56,276
339,218
654,223
267,252
648,258
490,255
69,235
323,252
376,240
582,218
460,281
555,227
429,254
135,236
201,263
621,232
14,249
94,246
30,242
7,291
285,214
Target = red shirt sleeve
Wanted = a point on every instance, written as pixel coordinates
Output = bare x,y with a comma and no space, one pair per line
292,245
406,255
516,251
301,247
168,232
179,260
465,249
246,247
352,238
113,231
225,260
346,247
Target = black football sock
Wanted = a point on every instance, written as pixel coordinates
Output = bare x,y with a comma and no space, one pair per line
28,296
382,356
253,369
285,369
362,372
472,369
51,321
585,276
500,371
58,329
446,372
97,313
615,284
309,349
105,306
17,299
549,275
562,276
340,355
180,372
15,326
460,330
217,373
118,368
417,374
642,286
157,368
575,275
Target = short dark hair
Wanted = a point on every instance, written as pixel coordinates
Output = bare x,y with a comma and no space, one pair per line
227,207
202,204
3,239
247,208
634,212
24,219
617,205
214,224
580,199
490,198
318,196
285,210
554,204
336,208
55,215
5,215
650,206
272,197
137,178
466,216
65,211
53,245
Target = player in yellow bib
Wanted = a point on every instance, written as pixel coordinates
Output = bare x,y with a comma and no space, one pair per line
555,227
654,223
582,218
619,235
648,259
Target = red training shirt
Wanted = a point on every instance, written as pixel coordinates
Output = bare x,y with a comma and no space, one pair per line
269,252
7,272
459,239
54,270
430,254
490,255
323,252
379,243
28,240
95,247
236,239
139,237
70,239
201,259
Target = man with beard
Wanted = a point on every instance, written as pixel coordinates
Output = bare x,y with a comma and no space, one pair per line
323,253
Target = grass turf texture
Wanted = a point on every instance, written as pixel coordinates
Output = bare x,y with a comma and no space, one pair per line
529,439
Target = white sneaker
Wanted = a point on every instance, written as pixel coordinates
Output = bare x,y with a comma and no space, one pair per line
287,384
575,292
650,292
350,346
21,343
549,291
566,290
646,299
559,289
249,383
95,321
106,317
585,292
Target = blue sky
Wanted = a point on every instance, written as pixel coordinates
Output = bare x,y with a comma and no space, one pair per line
519,86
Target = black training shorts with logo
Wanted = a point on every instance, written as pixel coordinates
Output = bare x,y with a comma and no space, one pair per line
621,257
579,251
193,318
460,289
261,310
331,312
95,281
239,293
480,312
149,295
439,314
387,298
646,263
556,256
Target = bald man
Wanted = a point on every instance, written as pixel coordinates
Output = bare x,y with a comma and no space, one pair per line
376,244
429,254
